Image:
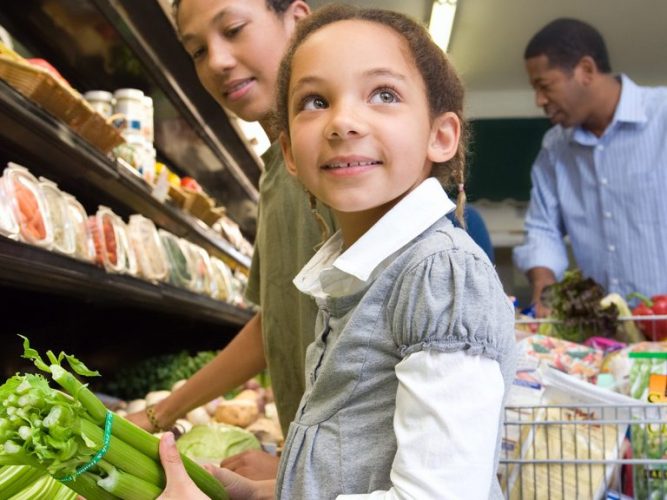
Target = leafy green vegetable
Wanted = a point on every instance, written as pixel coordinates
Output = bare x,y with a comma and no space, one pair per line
59,433
215,442
575,302
154,374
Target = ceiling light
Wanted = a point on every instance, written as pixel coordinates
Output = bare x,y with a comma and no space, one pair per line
442,20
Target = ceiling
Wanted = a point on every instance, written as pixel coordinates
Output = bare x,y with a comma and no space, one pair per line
489,37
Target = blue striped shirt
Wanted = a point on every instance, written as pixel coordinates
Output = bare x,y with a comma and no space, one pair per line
607,194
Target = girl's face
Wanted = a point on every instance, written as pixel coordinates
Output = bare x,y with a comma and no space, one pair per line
236,47
361,136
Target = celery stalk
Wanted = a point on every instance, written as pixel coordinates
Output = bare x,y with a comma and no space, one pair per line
46,487
86,486
14,478
125,485
124,456
131,449
149,445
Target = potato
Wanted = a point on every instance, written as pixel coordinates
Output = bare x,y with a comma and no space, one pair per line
240,412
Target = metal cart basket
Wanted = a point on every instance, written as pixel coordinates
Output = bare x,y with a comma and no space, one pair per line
584,452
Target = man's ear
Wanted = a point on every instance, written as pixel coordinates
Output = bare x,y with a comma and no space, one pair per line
587,69
444,139
294,13
286,148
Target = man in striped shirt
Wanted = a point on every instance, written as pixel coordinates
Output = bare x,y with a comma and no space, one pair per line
601,175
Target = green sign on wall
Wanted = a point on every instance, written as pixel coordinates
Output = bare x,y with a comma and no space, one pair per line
502,152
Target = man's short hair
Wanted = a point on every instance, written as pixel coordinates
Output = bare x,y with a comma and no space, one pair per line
565,41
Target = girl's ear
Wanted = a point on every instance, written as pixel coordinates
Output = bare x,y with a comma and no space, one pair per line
286,148
294,13
444,139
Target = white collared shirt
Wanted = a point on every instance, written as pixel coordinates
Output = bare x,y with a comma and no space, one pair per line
440,383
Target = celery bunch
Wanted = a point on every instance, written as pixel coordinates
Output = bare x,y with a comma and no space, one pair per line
61,432
21,482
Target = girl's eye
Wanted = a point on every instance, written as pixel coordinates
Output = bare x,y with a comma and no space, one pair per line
197,53
384,96
313,102
232,31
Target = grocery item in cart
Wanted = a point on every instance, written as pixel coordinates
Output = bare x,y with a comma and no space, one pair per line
619,363
569,357
64,238
147,245
84,246
179,262
648,381
30,209
562,435
655,329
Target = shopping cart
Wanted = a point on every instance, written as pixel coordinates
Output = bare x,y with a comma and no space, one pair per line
587,452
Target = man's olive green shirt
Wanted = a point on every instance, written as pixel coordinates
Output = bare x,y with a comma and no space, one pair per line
287,234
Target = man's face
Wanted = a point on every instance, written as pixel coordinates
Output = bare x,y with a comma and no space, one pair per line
558,92
236,47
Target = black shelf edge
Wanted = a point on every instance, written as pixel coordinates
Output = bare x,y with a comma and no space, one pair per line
30,267
148,32
30,128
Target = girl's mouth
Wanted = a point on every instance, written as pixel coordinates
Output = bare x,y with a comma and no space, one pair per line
339,165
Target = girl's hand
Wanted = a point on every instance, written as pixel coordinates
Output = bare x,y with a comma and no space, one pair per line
253,464
179,484
140,419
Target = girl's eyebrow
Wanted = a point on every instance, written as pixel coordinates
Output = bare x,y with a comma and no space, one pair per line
221,14
374,72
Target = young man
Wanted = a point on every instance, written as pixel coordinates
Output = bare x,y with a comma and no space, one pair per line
236,47
601,173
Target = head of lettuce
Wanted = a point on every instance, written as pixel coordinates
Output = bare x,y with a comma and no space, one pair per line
212,443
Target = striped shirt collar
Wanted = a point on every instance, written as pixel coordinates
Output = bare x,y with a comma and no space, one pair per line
630,109
410,217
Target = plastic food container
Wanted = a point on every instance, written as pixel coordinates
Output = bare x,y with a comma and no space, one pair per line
202,272
223,279
101,101
179,261
64,238
148,247
130,103
8,225
29,207
84,246
109,252
129,265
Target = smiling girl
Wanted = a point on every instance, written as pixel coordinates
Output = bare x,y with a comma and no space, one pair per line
414,345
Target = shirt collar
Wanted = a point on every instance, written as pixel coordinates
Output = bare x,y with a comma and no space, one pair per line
629,109
410,217
630,106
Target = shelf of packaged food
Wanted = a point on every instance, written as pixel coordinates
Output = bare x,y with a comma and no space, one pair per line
48,142
149,33
29,267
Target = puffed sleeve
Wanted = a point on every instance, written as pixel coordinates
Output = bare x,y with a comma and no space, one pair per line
449,301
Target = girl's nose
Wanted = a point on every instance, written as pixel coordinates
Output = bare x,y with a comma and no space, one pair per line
220,58
344,124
